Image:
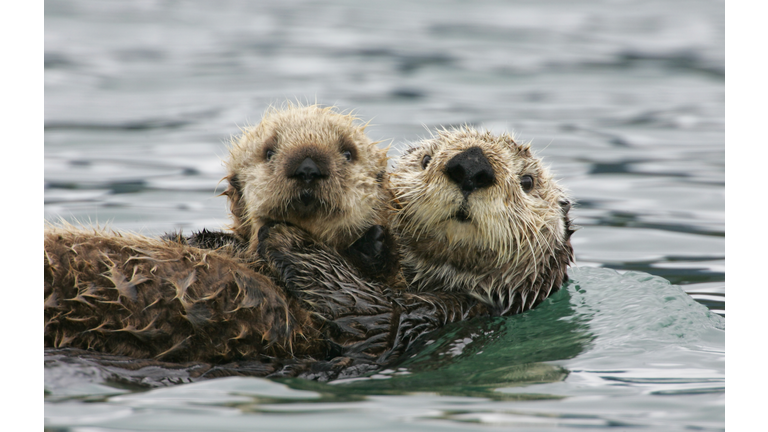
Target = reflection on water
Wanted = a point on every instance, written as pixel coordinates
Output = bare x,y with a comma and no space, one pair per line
623,99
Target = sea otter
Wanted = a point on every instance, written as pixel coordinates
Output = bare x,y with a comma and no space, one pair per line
479,214
209,297
358,324
483,227
314,168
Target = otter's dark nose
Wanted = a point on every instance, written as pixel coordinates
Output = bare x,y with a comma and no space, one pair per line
470,170
307,171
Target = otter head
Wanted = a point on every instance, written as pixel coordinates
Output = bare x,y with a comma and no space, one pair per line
311,167
479,213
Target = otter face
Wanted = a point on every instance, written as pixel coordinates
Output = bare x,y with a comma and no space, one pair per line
480,213
310,167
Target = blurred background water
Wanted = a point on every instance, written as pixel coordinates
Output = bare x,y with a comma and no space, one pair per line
623,99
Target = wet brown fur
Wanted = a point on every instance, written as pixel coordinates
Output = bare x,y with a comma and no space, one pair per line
146,298
161,300
369,323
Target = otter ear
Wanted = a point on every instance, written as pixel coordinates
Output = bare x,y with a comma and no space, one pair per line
509,141
524,150
234,195
521,149
570,228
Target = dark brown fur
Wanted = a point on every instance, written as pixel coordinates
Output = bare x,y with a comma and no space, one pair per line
163,300
147,298
365,321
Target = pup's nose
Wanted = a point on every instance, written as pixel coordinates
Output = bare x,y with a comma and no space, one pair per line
307,171
470,170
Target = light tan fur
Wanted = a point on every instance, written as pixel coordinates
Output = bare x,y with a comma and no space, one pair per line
514,248
354,197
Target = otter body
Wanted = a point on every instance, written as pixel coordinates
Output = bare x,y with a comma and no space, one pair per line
160,301
147,298
484,230
209,297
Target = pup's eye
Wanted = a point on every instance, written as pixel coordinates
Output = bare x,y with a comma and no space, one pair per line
425,161
347,154
526,182
269,154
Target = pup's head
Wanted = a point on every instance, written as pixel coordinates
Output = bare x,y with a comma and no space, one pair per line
309,166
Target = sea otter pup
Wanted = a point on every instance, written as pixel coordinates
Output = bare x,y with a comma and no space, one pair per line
478,214
484,230
208,297
315,168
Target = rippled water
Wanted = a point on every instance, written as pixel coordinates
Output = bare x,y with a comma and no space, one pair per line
624,99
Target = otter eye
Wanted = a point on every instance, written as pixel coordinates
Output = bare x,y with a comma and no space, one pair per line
270,153
425,161
526,182
347,154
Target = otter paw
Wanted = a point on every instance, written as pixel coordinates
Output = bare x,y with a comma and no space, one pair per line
375,255
265,230
371,247
284,247
176,237
280,235
215,240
